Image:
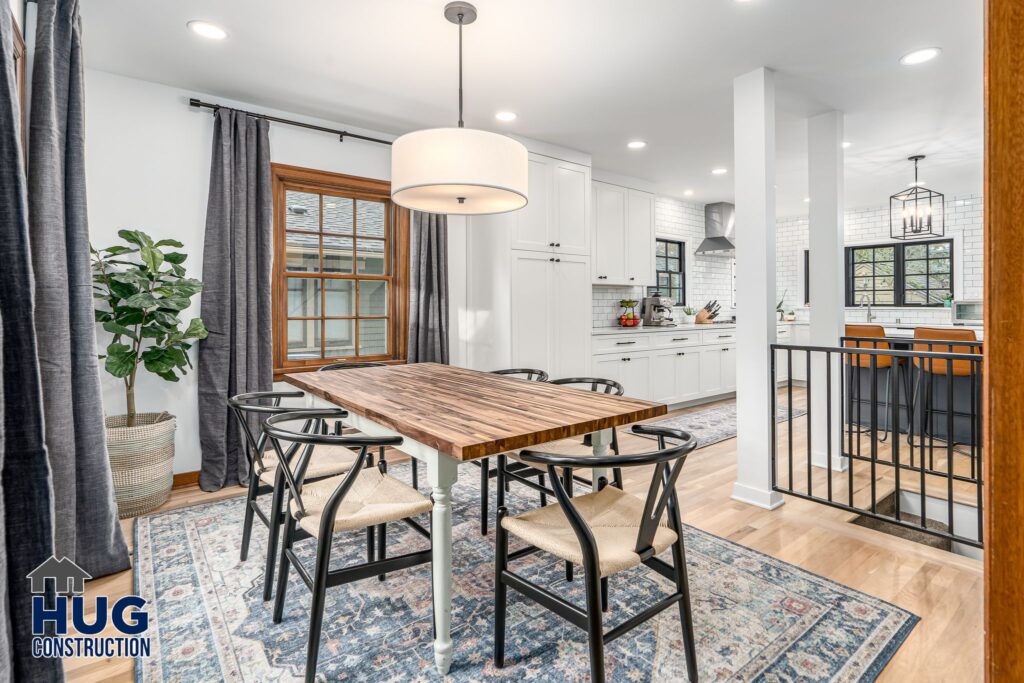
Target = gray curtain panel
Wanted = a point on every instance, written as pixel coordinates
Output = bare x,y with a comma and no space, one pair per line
86,527
236,306
26,536
428,288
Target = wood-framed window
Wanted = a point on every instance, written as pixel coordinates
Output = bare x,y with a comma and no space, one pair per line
900,274
340,270
670,265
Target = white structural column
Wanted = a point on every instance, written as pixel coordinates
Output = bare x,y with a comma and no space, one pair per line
754,142
825,168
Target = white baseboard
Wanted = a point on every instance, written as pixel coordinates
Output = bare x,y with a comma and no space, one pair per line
768,500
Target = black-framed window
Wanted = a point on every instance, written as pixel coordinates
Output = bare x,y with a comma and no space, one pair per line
904,274
670,264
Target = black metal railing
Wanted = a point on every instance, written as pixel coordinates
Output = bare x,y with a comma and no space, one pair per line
903,445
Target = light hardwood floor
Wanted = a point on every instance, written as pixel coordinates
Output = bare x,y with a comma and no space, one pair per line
945,590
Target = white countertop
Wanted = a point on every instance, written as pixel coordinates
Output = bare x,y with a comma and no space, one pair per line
662,328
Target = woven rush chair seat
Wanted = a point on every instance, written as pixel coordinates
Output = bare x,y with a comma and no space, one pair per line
325,461
375,498
613,517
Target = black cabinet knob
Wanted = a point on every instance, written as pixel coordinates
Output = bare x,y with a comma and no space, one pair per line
558,260
551,259
551,244
558,244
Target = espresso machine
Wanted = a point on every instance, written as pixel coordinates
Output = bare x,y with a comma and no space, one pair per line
657,311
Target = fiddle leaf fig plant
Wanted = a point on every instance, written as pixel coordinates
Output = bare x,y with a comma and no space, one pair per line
140,290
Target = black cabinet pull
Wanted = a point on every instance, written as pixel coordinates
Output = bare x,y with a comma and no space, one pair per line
724,336
627,359
558,244
681,353
725,349
558,260
624,343
682,339
551,244
632,278
551,259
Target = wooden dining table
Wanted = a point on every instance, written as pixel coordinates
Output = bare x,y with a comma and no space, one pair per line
448,416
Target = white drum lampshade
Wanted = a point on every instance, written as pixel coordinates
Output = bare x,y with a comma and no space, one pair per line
459,171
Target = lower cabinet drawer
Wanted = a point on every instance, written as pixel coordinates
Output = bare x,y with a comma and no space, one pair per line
664,340
606,343
718,336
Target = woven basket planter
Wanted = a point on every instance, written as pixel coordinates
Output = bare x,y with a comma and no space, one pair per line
141,461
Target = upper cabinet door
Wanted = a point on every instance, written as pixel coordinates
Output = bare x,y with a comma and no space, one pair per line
533,227
571,219
640,238
609,253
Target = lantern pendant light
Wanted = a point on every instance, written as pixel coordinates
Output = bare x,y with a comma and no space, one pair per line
459,170
917,212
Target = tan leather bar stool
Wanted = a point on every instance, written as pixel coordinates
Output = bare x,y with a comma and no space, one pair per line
892,369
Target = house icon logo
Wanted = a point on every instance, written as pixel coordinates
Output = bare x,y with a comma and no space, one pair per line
67,576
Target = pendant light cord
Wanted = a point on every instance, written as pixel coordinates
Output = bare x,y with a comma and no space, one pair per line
460,71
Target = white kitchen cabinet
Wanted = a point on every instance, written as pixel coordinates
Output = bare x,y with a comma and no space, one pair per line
572,321
728,367
640,240
711,380
609,234
632,371
675,375
668,367
550,323
623,245
557,217
533,320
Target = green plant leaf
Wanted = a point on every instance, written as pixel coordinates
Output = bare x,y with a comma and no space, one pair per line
141,300
174,303
121,359
114,328
127,315
175,257
103,316
135,237
153,258
196,329
122,290
169,243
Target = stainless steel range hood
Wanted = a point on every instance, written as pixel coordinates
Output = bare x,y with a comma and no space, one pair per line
719,228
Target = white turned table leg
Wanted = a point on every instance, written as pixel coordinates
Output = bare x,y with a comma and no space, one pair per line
442,472
600,441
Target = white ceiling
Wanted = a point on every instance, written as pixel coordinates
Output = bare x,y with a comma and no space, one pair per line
593,74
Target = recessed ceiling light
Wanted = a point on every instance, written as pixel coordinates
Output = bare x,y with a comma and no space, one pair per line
687,193
846,145
920,56
636,144
505,116
807,200
207,30
719,171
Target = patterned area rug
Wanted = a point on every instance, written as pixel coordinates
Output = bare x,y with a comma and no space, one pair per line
757,618
712,425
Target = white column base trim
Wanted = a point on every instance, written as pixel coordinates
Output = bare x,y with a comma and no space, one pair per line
768,500
840,463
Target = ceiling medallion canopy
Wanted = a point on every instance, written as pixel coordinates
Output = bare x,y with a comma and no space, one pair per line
917,212
459,170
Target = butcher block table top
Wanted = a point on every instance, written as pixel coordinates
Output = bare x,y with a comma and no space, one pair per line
469,414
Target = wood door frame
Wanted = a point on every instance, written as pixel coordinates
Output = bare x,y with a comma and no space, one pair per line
1004,333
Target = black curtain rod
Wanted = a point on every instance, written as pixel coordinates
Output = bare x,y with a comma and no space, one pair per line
342,134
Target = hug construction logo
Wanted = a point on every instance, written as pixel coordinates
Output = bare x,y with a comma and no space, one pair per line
126,615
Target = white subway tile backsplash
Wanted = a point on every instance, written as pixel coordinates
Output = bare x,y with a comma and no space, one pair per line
710,277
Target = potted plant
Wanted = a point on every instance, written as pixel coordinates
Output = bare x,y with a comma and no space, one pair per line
140,291
778,306
947,300
688,316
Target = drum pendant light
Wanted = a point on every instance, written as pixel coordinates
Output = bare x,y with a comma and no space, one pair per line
459,170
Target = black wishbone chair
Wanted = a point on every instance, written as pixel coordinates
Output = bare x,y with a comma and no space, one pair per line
351,365
486,472
264,473
371,499
594,530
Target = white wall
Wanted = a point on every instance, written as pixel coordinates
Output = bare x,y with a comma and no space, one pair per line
18,9
863,226
707,277
148,167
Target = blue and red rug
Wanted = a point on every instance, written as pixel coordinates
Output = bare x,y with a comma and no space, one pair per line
757,618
